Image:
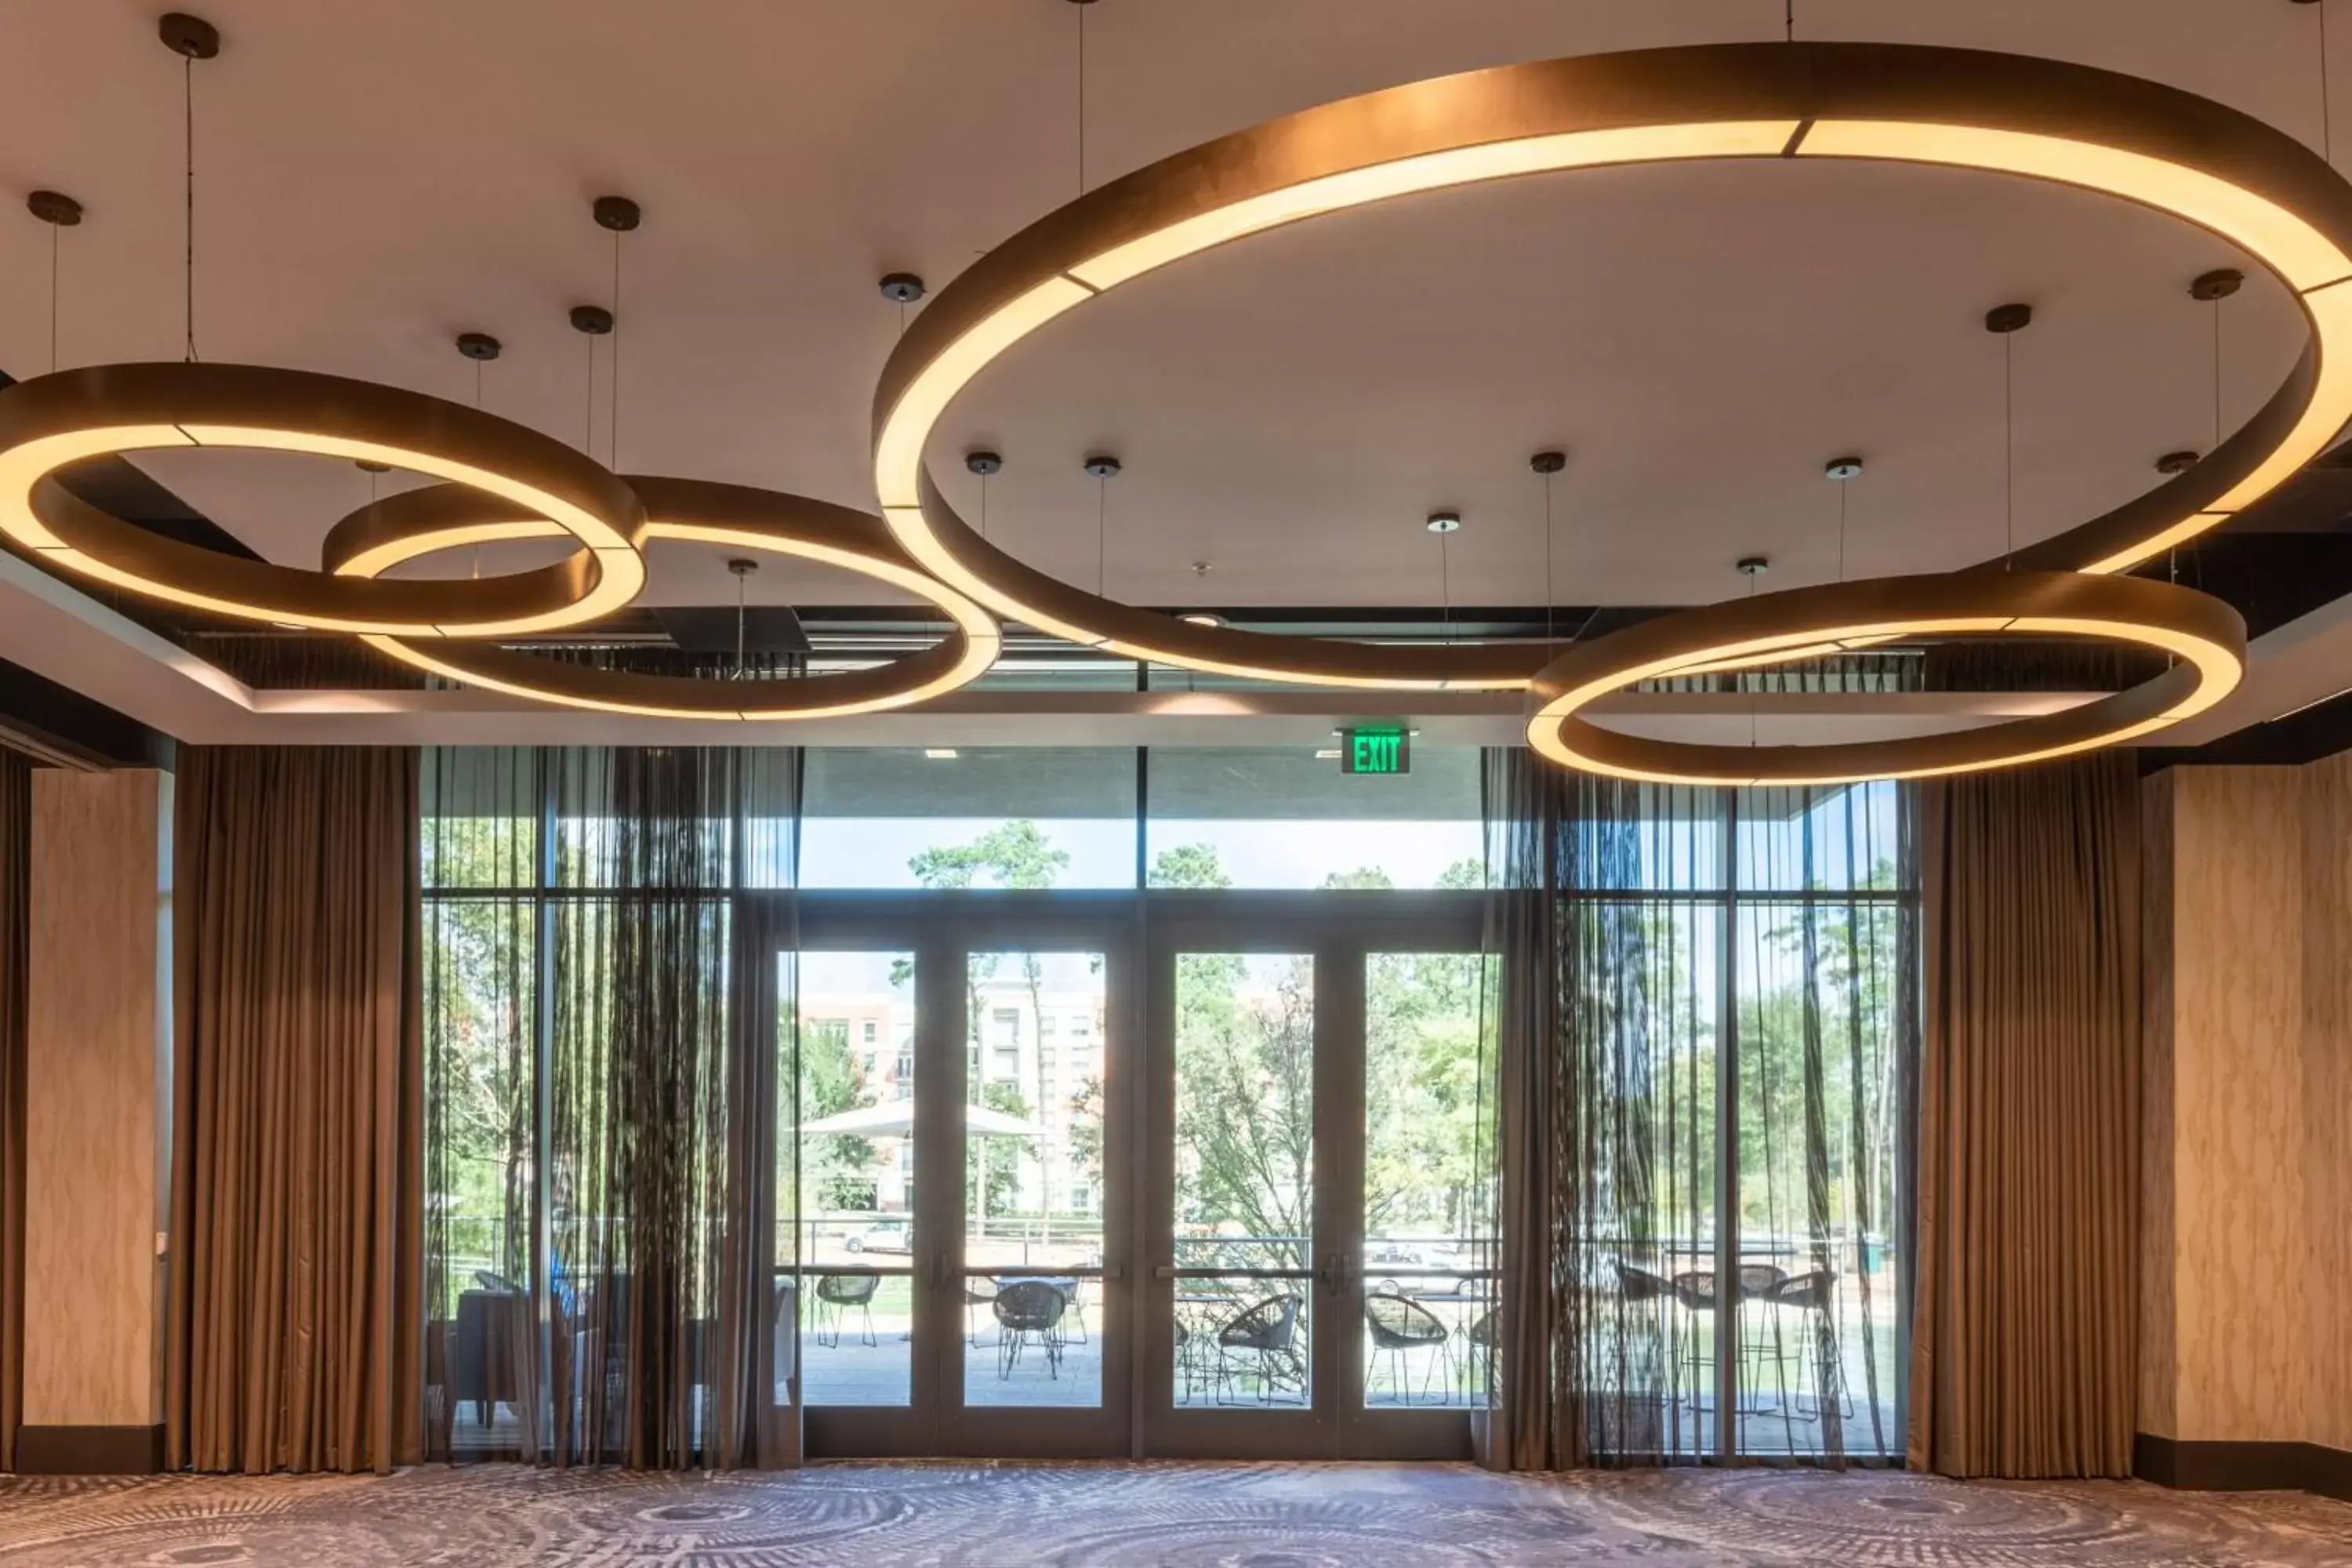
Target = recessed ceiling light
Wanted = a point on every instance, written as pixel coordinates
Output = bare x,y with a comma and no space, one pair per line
942,753
1203,618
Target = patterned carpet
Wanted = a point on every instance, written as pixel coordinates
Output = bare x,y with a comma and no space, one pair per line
1292,1516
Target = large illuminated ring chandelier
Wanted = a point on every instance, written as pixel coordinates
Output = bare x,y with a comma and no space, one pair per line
2044,119
421,522
2204,636
71,415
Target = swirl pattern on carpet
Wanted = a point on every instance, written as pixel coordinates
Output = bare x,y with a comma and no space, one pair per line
1263,1516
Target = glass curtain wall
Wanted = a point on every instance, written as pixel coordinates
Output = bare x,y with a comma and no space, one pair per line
592,1129
1737,1024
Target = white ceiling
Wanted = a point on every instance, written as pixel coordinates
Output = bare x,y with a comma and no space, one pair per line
373,179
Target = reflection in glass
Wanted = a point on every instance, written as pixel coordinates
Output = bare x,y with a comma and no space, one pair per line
850,1259
1034,1058
1428,1270
1244,1188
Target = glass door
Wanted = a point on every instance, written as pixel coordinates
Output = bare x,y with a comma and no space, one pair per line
1423,1296
1322,1269
951,1232
852,1217
1038,1367
1245,1271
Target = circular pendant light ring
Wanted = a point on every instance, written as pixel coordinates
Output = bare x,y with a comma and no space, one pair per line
54,420
2203,635
421,522
2048,120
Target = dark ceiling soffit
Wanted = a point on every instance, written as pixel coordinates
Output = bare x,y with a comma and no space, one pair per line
37,713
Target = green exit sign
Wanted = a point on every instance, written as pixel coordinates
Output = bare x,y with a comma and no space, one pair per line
1375,752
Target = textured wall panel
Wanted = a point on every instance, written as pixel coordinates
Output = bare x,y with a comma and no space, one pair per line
2327,1093
2159,1375
98,1097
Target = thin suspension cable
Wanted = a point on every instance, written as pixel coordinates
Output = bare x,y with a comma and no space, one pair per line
1789,22
984,506
478,383
2009,442
54,229
588,409
188,210
613,445
1751,687
1446,580
1102,522
1843,485
1551,605
2217,372
741,580
1082,98
2327,130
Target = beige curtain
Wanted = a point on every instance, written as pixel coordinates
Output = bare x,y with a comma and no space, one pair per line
2025,1325
15,871
297,1197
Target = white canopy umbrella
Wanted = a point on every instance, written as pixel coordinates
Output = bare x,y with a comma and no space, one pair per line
897,1119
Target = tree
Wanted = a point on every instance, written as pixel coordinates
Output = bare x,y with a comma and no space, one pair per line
991,1168
1188,866
1014,854
832,1081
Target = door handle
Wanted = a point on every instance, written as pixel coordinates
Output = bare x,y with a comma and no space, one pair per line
1335,1272
1164,1271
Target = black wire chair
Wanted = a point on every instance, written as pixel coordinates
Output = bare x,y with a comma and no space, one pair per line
1484,1336
1815,1295
976,1293
837,1296
1267,1333
1028,1309
1399,1325
1757,1281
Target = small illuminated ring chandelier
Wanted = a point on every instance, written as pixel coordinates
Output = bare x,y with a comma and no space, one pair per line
2204,636
61,418
422,522
2035,118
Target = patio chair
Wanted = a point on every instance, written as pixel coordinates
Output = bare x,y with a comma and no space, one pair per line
1265,1333
1639,1285
1814,1295
1188,1359
837,1296
1757,1281
977,1293
1694,1289
1027,1309
1399,1325
1482,1336
1074,1297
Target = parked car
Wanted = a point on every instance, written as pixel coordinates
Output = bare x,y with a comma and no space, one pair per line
883,1236
1407,1271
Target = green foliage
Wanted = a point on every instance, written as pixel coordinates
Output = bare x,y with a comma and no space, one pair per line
831,1080
1000,1157
1188,866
